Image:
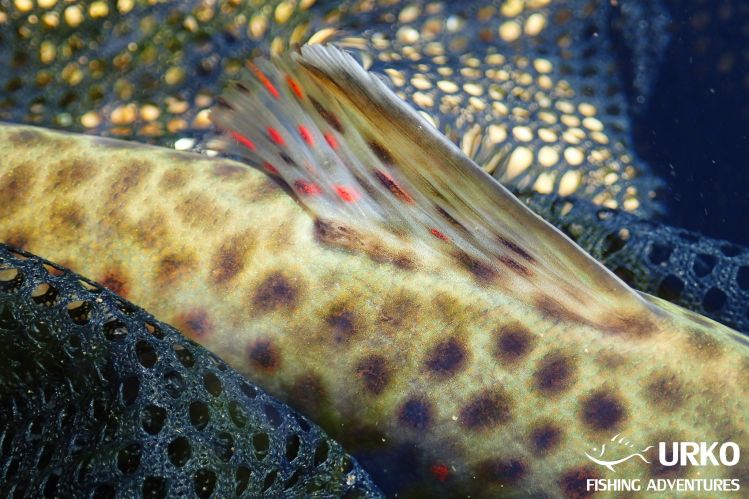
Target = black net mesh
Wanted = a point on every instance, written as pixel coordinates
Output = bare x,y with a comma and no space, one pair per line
707,275
98,399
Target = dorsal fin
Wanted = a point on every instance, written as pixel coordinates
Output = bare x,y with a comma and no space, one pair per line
354,152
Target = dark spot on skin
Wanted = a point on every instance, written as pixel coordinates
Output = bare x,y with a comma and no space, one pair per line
704,344
664,390
115,281
70,175
392,186
545,437
416,414
339,235
263,355
515,266
128,178
381,152
174,178
308,393
483,272
374,371
195,323
69,215
602,410
501,471
231,257
274,293
447,358
516,249
513,343
329,117
485,410
15,186
222,103
342,323
228,171
173,266
555,374
574,482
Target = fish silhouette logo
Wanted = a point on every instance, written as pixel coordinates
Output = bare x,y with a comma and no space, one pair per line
616,454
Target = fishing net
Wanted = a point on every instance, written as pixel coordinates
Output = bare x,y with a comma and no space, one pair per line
709,276
98,399
539,76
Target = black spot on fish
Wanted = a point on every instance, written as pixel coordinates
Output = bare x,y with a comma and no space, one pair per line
574,482
329,117
516,249
275,292
480,270
513,343
555,374
447,358
416,414
602,410
381,152
263,355
342,323
485,410
545,437
374,373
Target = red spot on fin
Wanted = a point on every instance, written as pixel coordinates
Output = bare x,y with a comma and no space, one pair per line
270,168
244,141
265,81
332,142
307,188
275,136
393,187
306,136
346,193
439,234
294,87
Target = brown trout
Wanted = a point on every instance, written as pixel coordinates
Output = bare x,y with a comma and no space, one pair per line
375,277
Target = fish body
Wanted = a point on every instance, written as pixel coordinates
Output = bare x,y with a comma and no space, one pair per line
495,362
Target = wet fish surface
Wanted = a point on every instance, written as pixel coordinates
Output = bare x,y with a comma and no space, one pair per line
422,307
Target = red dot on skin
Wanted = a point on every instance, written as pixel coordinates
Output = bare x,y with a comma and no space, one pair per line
266,82
243,140
307,188
306,136
330,139
346,194
294,86
438,234
275,136
440,472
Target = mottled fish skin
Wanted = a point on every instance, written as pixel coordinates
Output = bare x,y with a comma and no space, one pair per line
382,347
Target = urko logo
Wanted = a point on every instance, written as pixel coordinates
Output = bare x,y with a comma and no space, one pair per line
698,454
619,450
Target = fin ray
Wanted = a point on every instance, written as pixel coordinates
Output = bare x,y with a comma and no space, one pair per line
353,151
